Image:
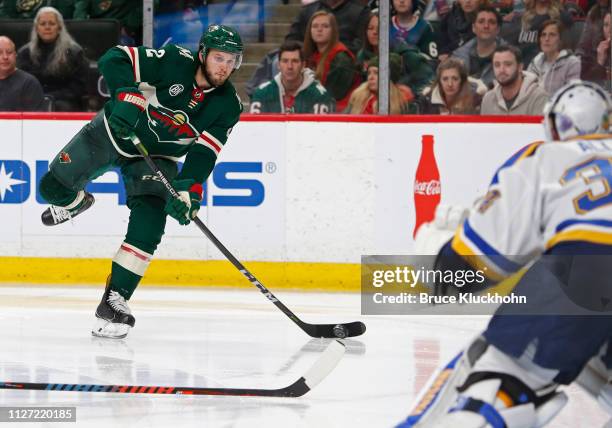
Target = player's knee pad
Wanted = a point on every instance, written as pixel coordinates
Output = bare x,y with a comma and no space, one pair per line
54,192
460,395
147,222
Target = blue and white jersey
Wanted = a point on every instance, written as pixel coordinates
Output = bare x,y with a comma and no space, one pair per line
546,196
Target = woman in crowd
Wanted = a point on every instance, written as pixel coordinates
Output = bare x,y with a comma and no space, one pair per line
332,62
452,91
56,60
416,72
364,99
523,30
554,65
592,37
599,67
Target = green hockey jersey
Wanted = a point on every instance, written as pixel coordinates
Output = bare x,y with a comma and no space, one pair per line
179,117
311,97
27,9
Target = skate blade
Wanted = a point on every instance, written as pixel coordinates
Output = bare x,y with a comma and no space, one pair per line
103,328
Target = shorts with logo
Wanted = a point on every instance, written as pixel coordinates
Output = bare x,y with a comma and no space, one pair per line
91,153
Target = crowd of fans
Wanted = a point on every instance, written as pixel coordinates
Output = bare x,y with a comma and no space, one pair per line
501,57
447,56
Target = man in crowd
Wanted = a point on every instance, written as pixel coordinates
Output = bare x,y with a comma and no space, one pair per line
294,89
19,91
517,92
478,52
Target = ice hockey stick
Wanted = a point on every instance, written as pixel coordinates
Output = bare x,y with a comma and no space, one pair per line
341,331
319,370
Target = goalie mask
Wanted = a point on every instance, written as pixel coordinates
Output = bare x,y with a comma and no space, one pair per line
578,108
222,38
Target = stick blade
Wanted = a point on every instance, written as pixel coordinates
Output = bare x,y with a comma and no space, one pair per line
335,331
325,364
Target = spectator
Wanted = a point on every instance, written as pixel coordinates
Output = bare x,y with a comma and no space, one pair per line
265,71
56,60
456,27
364,100
410,28
452,92
332,61
553,66
522,31
592,36
127,12
18,9
19,91
599,70
516,92
294,89
351,16
416,70
478,52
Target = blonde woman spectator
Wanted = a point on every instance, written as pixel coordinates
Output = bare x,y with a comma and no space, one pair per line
55,59
452,91
554,66
332,62
364,100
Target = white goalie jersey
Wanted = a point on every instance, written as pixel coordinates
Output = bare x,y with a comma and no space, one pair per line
545,196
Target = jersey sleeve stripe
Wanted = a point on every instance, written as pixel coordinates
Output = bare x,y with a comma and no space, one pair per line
580,236
523,153
211,142
459,245
133,55
572,222
486,249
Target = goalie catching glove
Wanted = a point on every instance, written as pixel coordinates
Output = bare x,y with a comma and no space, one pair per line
185,208
128,105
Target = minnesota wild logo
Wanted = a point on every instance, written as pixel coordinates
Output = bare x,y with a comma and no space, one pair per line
170,126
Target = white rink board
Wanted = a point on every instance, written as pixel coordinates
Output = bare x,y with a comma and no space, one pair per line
331,190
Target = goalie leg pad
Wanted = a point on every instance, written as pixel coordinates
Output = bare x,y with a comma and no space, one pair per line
482,387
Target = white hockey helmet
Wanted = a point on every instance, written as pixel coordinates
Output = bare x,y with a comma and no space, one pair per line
578,108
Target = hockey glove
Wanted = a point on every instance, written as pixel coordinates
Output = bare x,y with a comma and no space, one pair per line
185,208
124,117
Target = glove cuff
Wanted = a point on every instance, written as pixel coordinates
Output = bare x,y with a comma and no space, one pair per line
133,97
196,189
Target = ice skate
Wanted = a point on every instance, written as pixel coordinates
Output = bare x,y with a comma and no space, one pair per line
113,316
57,215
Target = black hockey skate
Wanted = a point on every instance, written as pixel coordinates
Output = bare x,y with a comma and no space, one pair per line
57,215
113,316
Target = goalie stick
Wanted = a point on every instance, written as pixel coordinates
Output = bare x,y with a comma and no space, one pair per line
341,331
319,370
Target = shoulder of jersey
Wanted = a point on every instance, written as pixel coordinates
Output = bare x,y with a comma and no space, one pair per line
181,55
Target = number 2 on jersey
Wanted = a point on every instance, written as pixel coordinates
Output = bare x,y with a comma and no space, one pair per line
597,175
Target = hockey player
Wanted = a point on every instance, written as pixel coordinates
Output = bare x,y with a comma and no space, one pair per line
294,89
177,102
551,199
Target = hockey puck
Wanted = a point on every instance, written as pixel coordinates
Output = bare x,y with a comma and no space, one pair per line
340,331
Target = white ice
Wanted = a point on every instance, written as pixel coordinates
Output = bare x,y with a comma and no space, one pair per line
227,338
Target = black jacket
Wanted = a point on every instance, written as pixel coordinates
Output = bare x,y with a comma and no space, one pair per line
69,85
455,30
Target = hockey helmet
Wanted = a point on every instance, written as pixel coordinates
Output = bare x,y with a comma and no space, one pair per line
578,108
223,38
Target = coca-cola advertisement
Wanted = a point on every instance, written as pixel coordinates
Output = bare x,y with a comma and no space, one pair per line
427,189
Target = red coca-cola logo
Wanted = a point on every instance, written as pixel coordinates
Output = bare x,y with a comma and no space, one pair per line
431,187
